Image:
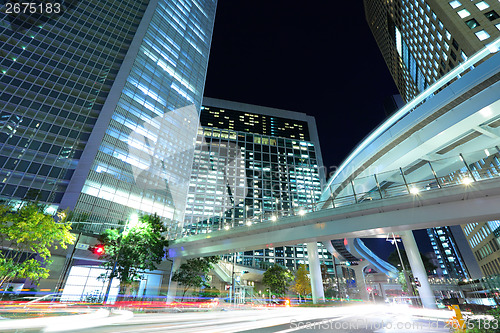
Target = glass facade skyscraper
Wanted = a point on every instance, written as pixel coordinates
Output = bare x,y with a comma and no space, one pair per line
422,40
250,162
99,106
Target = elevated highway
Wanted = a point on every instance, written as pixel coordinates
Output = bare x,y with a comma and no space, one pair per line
439,207
435,162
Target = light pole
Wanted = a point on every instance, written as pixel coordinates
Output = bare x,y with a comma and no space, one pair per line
394,241
337,277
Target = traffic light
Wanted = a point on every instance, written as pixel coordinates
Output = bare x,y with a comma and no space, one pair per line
97,249
417,283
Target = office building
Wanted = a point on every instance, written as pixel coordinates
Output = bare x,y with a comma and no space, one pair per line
99,106
448,260
423,40
253,162
485,243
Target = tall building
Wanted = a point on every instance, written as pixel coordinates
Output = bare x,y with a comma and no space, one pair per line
448,255
421,41
99,104
484,239
250,162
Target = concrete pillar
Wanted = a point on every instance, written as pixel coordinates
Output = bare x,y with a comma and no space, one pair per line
56,269
172,285
418,269
318,293
360,280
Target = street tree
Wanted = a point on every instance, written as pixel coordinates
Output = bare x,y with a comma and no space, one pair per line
394,260
30,234
302,282
193,273
277,278
129,253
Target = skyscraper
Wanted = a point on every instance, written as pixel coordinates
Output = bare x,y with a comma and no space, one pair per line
250,162
447,253
99,104
423,40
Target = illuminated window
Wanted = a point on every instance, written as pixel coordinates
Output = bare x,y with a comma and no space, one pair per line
482,35
454,4
482,5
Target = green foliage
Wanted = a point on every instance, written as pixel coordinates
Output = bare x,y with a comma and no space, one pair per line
139,248
302,285
209,292
485,325
193,272
31,233
402,281
393,259
277,278
331,293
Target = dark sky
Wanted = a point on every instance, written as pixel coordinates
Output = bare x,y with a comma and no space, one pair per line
317,57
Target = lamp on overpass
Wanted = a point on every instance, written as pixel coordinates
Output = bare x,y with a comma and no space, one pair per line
467,181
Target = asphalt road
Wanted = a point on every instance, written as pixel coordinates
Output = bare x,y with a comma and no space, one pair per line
354,318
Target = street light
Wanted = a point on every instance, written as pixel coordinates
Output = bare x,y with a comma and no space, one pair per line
394,241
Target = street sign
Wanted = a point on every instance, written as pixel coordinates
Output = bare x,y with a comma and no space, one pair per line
82,246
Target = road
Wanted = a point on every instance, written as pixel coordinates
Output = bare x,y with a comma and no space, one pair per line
354,318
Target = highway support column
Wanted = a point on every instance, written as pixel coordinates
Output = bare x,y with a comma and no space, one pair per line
318,293
418,269
172,285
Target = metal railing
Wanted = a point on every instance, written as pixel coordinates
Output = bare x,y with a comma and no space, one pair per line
409,181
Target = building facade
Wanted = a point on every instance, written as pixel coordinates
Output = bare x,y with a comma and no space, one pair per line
485,243
253,162
421,41
99,105
449,262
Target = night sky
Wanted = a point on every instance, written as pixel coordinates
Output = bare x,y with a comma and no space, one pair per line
316,57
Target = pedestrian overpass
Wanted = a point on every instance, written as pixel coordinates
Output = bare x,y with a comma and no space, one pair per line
458,204
435,162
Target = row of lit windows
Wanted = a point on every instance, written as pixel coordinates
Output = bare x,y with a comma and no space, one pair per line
472,23
424,44
492,267
470,227
143,116
480,235
487,249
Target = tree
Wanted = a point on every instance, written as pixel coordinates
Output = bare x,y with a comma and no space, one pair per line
30,233
393,259
129,253
277,278
302,285
193,273
210,292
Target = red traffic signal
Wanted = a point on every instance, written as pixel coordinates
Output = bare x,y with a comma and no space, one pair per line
97,249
